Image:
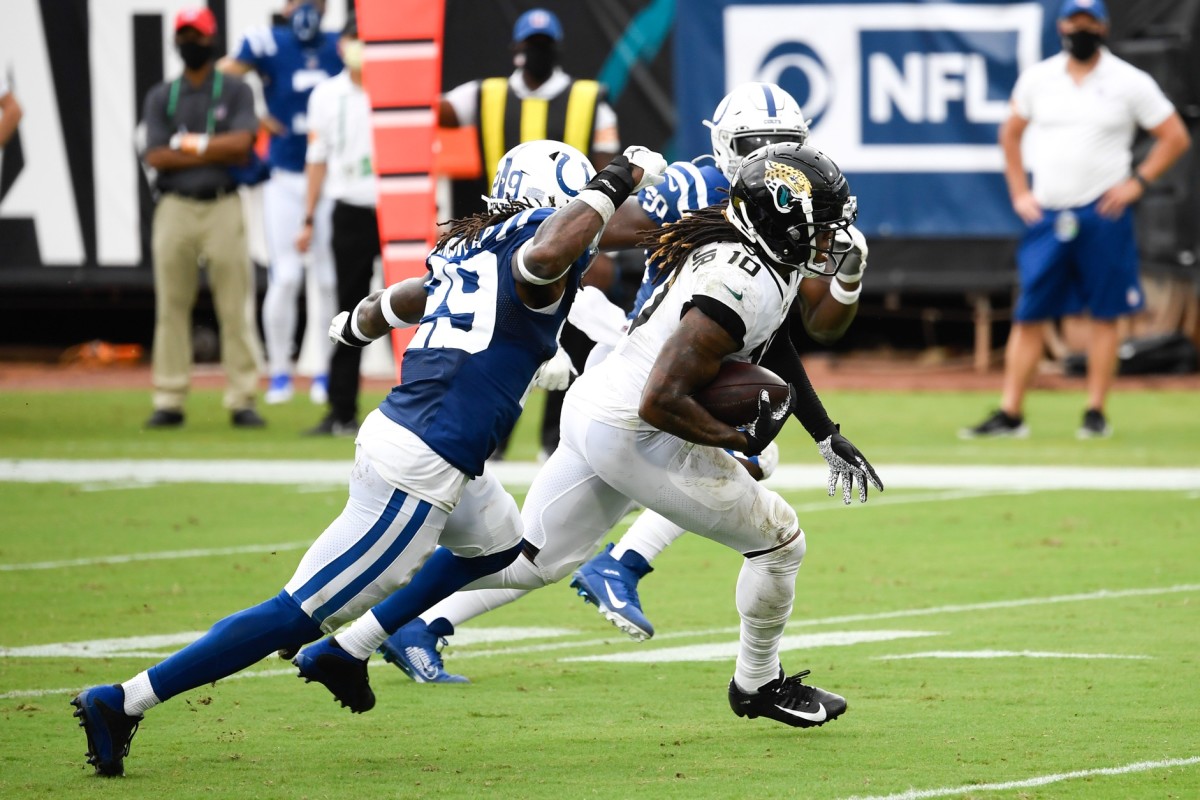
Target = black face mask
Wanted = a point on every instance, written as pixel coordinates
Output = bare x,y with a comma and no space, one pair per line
194,54
1082,45
540,58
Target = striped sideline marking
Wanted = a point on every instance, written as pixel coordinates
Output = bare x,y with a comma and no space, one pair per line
1041,780
128,472
1103,594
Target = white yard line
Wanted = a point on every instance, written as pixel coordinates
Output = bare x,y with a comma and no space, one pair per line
163,555
128,472
1040,780
459,653
1007,654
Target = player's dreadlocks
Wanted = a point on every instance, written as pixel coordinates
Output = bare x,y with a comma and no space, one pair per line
468,228
678,240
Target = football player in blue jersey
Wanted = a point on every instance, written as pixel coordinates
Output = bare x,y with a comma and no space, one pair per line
499,287
290,59
750,116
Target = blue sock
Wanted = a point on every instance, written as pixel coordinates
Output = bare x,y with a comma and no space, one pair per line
636,563
233,644
441,576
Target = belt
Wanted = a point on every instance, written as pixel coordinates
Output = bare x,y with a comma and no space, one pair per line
203,194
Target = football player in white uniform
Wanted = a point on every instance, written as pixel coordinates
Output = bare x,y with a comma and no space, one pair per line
750,116
499,287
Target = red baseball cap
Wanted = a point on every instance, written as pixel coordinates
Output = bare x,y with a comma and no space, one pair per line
200,18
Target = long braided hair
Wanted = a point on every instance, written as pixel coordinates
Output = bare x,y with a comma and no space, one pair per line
671,246
469,227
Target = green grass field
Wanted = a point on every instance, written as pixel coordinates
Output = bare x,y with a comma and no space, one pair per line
1045,641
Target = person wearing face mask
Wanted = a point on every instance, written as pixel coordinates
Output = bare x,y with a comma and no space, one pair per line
1072,125
340,170
539,100
291,58
198,126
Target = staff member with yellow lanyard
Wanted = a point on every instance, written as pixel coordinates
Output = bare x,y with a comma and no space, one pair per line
197,127
538,101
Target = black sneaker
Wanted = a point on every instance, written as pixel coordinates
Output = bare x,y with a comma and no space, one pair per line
247,418
101,714
341,673
789,701
333,427
998,425
165,418
1094,426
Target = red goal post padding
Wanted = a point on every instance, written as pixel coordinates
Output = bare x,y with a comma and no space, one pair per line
402,76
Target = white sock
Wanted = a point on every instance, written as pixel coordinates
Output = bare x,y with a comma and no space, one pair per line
649,535
765,589
139,695
363,637
463,606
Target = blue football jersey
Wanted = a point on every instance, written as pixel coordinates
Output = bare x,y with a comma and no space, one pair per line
470,363
289,69
688,187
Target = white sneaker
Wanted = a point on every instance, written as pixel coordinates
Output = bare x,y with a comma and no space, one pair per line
318,392
279,390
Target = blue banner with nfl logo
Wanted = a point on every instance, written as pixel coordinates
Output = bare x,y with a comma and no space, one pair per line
906,97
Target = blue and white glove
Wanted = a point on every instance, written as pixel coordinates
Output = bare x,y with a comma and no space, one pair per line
554,375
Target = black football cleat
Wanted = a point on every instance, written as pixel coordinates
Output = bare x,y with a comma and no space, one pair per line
109,729
789,701
341,673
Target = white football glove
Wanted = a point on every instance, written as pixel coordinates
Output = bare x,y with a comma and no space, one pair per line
340,330
599,318
854,263
555,374
654,166
766,461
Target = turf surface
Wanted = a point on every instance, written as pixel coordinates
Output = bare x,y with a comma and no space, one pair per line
1016,636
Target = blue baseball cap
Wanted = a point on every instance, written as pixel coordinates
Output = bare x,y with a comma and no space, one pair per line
1094,7
537,21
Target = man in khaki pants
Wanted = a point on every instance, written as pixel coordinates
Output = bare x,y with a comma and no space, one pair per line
197,126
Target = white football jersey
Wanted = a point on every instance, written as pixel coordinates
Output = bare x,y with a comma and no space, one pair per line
725,272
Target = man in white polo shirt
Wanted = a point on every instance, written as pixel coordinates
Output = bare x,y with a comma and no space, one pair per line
340,167
1073,121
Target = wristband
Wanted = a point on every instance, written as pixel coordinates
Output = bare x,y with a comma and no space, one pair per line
615,181
1140,178
390,315
354,329
846,297
601,203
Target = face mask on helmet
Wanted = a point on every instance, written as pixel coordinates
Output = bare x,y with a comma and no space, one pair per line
306,22
544,174
751,116
789,202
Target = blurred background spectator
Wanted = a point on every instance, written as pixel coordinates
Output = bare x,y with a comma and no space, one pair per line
198,126
10,112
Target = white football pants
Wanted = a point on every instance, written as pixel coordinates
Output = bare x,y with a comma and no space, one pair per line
283,216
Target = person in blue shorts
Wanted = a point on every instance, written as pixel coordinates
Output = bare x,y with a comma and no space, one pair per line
1072,125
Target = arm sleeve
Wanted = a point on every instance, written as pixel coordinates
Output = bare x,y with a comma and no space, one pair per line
782,359
241,109
1022,101
154,115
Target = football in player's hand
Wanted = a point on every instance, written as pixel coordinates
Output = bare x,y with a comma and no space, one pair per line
733,395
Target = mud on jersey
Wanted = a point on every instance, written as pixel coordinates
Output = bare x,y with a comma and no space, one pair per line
469,365
723,280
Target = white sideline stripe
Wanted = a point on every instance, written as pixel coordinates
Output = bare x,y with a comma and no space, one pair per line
1005,654
515,474
160,556
724,651
1041,780
1103,594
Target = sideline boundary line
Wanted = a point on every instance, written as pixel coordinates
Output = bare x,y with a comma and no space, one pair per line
1040,780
